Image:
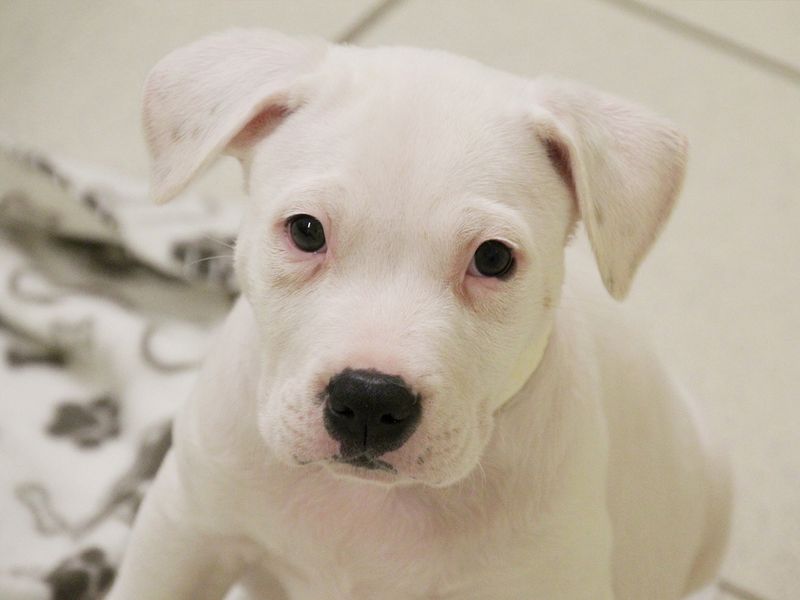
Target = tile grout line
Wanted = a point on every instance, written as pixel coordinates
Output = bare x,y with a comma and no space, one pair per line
737,591
707,37
370,18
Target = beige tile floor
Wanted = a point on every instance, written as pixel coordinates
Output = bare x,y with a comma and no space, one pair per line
71,73
769,27
720,291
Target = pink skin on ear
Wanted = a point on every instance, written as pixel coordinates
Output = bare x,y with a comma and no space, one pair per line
259,127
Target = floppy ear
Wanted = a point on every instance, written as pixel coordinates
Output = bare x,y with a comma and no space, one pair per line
220,94
623,165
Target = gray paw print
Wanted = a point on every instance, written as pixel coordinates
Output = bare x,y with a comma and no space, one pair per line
86,576
86,424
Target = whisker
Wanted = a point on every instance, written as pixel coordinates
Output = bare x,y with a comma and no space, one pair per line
218,241
484,478
205,258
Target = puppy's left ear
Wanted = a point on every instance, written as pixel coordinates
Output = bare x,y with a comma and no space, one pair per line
221,94
623,165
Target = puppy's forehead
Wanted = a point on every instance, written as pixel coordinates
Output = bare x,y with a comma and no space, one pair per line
431,114
412,128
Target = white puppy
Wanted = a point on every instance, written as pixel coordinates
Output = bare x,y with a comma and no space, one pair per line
412,401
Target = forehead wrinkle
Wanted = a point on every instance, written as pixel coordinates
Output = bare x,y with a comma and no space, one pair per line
323,193
489,219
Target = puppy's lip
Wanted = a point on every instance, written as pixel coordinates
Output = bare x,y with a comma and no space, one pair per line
365,461
302,461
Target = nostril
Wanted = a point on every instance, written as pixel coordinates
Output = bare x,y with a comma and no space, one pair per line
391,419
344,411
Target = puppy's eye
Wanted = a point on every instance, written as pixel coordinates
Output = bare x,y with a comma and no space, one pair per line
492,259
306,233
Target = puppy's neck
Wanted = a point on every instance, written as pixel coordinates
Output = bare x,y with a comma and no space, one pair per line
525,367
532,428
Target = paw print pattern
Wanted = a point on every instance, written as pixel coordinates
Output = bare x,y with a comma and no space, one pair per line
92,200
88,425
21,354
46,168
105,258
86,576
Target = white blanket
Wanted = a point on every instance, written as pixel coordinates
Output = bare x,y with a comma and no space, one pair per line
106,303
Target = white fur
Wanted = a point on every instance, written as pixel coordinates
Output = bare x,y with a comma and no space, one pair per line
555,457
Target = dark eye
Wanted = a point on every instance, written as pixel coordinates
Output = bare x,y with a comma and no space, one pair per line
306,233
492,259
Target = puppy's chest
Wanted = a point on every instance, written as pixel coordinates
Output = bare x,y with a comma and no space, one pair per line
370,545
391,569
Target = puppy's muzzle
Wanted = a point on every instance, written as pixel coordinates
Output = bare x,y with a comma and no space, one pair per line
369,413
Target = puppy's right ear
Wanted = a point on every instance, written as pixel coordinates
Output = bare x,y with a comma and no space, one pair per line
221,94
623,165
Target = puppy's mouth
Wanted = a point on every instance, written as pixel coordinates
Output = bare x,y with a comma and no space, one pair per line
364,461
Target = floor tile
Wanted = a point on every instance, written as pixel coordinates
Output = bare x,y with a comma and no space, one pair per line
719,292
71,73
770,27
731,591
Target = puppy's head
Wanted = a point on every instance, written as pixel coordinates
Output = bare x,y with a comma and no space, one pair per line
403,245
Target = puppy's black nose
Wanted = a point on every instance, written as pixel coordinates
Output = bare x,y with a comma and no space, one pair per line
369,412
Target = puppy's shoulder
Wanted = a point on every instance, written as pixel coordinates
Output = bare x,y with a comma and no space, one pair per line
595,323
217,418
